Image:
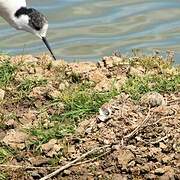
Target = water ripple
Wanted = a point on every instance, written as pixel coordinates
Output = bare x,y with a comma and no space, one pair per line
81,29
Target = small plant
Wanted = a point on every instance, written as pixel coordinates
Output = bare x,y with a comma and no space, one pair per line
5,154
28,84
136,86
82,101
44,134
4,176
7,72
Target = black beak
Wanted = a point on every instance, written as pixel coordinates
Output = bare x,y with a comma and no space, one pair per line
47,45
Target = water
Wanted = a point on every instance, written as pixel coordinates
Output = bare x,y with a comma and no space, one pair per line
90,29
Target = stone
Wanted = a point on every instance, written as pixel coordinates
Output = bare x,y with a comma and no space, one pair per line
38,92
104,85
111,61
63,86
66,172
104,113
166,159
96,76
124,157
120,82
2,94
54,94
15,139
51,148
153,99
118,177
10,124
49,145
162,146
138,71
82,67
38,160
159,171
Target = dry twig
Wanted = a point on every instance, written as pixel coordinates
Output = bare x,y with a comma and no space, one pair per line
163,118
139,126
24,167
73,162
91,160
159,140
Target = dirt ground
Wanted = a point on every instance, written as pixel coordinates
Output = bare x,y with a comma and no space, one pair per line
138,139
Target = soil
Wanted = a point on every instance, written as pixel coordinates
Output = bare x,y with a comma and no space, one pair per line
142,137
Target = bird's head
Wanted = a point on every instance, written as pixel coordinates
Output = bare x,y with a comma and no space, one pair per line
31,20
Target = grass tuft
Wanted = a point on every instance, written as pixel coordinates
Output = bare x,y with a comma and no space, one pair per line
5,154
81,102
7,71
137,86
28,84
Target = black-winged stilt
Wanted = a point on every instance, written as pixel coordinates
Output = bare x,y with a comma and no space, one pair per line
16,13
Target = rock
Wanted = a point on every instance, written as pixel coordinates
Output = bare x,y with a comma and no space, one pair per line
38,160
28,118
51,148
54,94
162,146
82,67
39,71
150,177
15,139
2,94
72,149
119,83
66,172
88,130
166,159
153,99
124,157
38,92
63,86
138,71
111,61
10,124
35,175
118,177
159,171
164,177
96,76
2,133
104,85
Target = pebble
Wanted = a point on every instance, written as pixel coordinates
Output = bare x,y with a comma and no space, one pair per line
2,94
159,171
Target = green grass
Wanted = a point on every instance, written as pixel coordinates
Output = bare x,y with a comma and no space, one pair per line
44,134
137,86
5,154
82,101
4,176
28,84
7,72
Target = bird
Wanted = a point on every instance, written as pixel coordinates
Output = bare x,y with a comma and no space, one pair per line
21,17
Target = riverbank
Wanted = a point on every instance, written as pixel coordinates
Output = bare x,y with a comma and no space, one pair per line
54,112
